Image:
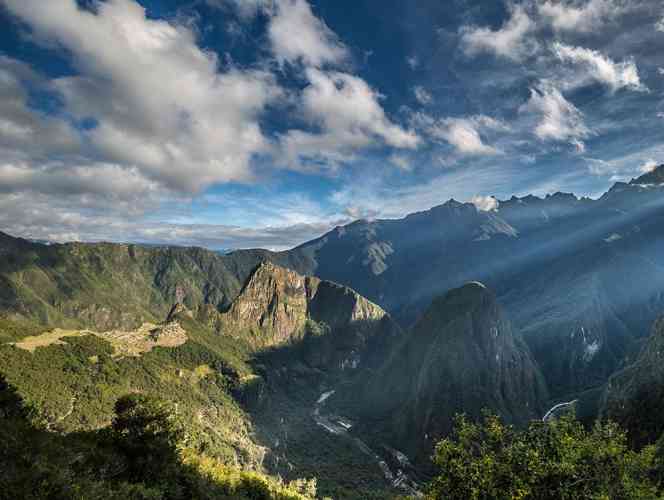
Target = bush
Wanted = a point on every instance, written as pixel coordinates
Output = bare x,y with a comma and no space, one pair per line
555,460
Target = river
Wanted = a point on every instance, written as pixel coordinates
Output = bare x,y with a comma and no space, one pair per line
340,426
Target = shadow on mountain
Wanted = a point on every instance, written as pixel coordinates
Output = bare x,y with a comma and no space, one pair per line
140,457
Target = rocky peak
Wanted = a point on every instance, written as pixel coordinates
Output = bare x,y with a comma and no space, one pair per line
655,176
276,303
274,299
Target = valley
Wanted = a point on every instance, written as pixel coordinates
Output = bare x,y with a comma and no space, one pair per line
276,365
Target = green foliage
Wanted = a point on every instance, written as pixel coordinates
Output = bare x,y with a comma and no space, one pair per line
315,329
555,460
139,457
15,329
104,286
148,433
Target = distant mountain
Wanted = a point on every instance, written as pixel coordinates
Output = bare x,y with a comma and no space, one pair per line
580,278
655,176
462,356
106,285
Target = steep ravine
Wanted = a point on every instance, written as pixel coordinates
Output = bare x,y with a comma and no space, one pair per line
341,426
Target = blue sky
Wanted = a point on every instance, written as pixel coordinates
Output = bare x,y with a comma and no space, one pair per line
243,123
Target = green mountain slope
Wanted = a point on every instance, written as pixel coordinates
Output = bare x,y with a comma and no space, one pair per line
241,350
634,396
461,356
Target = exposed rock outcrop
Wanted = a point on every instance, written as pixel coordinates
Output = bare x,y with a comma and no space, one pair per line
336,327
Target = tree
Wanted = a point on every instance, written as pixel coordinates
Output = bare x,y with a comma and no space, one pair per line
554,460
148,433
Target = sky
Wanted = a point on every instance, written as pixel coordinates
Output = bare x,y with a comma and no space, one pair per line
265,123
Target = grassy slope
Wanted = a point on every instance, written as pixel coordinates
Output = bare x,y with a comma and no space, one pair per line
211,377
105,286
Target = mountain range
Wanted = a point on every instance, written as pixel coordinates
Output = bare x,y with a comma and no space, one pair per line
558,265
354,351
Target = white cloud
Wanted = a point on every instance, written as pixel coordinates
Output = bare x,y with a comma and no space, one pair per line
127,214
659,25
624,168
557,118
585,17
363,213
160,101
47,219
342,108
599,67
485,203
648,166
422,95
461,133
349,115
21,127
511,41
383,199
55,178
296,34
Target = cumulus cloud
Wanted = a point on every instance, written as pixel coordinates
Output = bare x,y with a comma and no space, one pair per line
461,133
106,180
160,102
584,17
422,95
598,67
296,34
557,118
485,203
511,41
23,128
349,115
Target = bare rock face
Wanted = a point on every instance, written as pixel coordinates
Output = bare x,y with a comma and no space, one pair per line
274,300
337,327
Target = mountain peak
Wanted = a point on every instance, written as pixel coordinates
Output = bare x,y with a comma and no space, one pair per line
460,354
462,298
655,176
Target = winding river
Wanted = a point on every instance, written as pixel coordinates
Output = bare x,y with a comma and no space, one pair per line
340,426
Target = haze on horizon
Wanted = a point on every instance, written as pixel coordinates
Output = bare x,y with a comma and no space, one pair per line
264,123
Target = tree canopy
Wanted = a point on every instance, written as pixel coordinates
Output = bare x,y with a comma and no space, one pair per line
549,460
